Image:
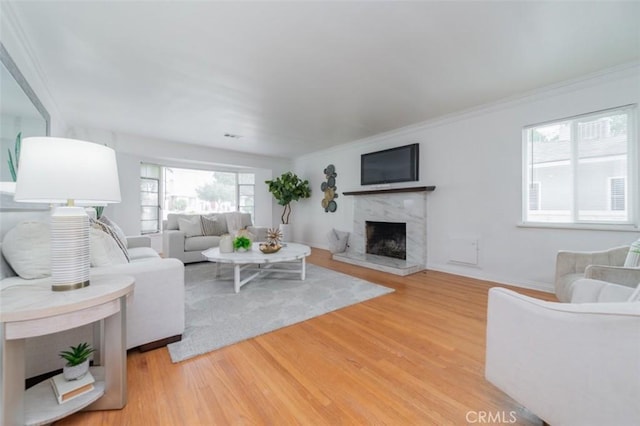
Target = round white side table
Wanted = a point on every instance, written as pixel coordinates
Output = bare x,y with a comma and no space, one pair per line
29,309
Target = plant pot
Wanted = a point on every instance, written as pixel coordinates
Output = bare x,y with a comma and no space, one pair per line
226,244
75,372
286,232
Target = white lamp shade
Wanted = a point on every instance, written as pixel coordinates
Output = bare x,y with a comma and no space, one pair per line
54,170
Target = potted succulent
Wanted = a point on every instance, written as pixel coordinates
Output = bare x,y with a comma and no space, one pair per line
77,358
286,189
242,243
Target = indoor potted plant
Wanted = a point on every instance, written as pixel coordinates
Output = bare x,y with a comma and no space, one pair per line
77,358
285,189
242,243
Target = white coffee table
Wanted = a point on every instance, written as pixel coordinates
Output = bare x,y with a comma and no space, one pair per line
254,260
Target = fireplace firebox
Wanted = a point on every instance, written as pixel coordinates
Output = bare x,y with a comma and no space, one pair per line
386,239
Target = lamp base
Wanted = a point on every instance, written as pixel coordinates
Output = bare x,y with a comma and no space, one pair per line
70,257
67,287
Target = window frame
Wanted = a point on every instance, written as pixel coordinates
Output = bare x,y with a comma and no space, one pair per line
158,219
632,182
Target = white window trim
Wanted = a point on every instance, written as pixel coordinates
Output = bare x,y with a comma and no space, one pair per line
633,181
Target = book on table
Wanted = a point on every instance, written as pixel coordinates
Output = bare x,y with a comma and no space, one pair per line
65,390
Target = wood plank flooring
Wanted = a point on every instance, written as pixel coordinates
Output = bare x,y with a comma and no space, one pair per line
414,357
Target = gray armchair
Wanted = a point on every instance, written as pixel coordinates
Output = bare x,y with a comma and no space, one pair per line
606,265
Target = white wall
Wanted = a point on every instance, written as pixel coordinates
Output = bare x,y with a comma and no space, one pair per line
475,160
11,37
132,150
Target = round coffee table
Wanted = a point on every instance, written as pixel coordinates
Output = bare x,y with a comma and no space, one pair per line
259,262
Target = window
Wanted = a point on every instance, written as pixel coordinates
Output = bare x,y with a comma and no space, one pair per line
246,188
201,191
586,164
149,198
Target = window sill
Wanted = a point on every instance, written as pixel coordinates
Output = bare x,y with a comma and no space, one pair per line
580,226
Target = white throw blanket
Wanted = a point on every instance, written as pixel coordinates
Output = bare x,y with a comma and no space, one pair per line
234,222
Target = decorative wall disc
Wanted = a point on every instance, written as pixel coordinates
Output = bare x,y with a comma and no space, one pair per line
329,188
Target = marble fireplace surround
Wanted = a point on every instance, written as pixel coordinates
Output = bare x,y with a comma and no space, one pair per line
408,205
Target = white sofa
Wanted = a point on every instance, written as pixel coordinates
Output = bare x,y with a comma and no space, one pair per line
155,311
605,265
176,243
572,363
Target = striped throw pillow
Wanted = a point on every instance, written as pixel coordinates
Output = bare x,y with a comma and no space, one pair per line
633,257
112,233
213,225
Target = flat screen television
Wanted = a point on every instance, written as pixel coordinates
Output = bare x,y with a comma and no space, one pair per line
390,165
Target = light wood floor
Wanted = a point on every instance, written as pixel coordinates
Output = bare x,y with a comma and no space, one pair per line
415,356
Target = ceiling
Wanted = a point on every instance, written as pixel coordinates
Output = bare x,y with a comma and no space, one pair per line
291,78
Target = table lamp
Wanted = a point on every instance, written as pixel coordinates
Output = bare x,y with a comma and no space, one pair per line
67,171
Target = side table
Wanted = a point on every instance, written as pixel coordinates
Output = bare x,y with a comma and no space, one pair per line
31,309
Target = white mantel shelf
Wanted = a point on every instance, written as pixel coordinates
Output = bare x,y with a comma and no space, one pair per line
391,190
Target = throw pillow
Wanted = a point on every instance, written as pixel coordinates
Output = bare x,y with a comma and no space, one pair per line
635,296
633,257
191,226
234,222
338,241
105,250
213,225
112,234
119,233
27,249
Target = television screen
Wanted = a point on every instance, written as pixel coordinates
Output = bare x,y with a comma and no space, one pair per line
391,165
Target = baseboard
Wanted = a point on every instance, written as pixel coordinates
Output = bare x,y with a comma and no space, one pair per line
478,274
157,344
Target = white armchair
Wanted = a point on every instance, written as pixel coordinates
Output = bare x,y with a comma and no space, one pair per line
604,265
568,363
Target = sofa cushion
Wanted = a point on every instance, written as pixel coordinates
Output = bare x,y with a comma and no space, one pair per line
586,290
172,220
633,257
27,249
190,226
105,251
142,253
214,225
201,243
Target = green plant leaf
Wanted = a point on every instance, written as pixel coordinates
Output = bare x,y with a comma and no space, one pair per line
77,354
287,188
12,169
241,242
17,147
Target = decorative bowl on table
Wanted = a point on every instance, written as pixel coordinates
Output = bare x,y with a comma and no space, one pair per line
269,248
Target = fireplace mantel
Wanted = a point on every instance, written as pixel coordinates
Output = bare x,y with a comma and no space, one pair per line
391,190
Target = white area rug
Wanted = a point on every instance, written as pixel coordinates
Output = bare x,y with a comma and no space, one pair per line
216,316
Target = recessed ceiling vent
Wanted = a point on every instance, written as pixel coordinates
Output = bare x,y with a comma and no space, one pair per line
232,136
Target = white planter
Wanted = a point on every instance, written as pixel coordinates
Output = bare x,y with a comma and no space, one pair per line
75,372
287,232
226,244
